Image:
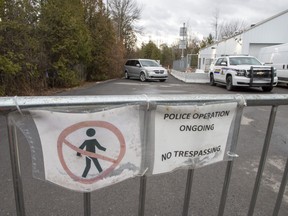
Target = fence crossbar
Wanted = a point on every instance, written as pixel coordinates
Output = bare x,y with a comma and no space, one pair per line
10,103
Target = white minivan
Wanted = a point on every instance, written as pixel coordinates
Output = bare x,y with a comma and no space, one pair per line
145,69
276,56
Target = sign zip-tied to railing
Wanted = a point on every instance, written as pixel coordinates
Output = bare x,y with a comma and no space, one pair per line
83,150
87,148
192,136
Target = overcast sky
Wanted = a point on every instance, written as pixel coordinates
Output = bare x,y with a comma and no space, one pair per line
161,19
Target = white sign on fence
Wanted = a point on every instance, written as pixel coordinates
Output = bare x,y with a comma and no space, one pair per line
191,135
87,151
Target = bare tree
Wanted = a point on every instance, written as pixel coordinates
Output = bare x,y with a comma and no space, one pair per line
224,29
230,28
124,14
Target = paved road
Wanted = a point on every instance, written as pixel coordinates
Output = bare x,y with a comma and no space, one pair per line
164,192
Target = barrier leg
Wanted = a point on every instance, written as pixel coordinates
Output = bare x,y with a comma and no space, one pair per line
87,204
188,192
16,171
230,163
225,188
142,195
281,190
262,160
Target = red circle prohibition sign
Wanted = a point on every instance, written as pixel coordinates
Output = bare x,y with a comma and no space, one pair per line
62,140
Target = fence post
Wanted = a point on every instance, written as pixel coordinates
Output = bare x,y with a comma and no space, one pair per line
142,195
230,163
281,190
262,160
16,171
143,178
188,192
87,204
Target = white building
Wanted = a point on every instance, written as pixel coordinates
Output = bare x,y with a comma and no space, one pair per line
272,31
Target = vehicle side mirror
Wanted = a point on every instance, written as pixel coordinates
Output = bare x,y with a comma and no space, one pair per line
223,64
137,65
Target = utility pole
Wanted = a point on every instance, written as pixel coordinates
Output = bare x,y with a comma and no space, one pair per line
183,40
182,45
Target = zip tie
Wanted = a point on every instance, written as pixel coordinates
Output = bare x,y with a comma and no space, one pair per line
144,172
231,154
242,101
148,101
17,105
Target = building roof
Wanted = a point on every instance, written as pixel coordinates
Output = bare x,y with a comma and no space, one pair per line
266,20
251,27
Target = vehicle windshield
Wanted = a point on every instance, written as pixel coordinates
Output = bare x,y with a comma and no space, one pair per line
149,63
244,61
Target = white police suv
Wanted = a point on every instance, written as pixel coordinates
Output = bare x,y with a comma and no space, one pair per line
242,71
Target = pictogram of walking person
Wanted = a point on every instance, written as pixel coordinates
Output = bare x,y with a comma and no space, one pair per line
90,145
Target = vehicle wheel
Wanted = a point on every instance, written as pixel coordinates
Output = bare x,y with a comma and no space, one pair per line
142,77
267,88
212,81
126,75
229,83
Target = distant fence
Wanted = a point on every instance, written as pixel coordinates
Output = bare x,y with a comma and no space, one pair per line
11,104
188,63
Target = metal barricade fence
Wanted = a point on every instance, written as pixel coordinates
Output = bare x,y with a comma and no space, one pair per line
9,104
180,65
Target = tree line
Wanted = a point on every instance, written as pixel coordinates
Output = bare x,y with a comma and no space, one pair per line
58,44
50,43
